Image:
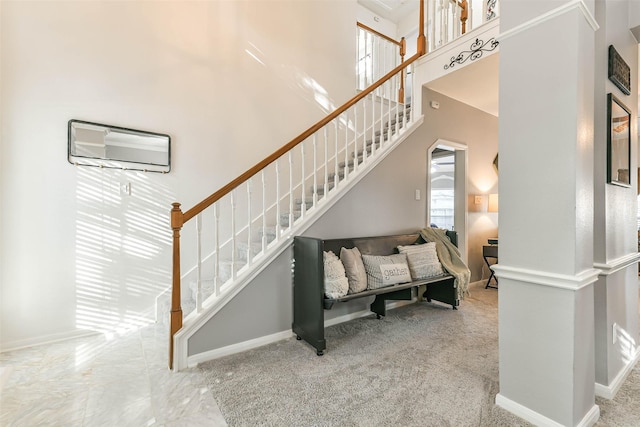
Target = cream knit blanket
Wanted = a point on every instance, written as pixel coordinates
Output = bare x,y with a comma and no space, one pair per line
449,256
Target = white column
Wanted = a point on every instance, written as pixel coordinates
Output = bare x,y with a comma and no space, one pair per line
546,212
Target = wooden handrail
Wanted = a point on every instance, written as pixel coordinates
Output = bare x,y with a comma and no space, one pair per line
379,34
297,140
178,218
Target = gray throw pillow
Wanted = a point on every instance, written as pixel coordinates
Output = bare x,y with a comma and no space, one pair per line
335,281
354,268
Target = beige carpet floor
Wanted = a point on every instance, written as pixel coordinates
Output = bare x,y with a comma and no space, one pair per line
422,365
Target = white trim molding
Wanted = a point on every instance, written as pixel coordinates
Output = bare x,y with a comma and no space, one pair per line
554,280
217,353
537,419
206,356
565,8
610,391
617,264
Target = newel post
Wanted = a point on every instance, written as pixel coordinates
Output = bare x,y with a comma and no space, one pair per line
176,310
422,39
403,49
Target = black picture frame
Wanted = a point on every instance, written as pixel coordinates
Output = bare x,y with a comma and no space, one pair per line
108,146
619,71
618,142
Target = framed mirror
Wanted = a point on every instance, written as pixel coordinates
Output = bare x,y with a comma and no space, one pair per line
95,144
618,142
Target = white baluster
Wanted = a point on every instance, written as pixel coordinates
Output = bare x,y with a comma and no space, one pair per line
381,119
335,156
326,165
264,212
315,171
346,145
234,249
290,190
199,265
278,213
249,193
303,207
388,84
455,21
431,6
442,22
364,130
216,220
373,125
355,138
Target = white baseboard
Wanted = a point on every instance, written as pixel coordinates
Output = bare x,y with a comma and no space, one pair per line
217,353
46,339
610,391
540,420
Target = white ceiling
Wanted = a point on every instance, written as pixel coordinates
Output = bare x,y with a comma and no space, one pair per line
393,10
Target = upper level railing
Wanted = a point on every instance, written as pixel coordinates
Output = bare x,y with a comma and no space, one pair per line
446,20
377,55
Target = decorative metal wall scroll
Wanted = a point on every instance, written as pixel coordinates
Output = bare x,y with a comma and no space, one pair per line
478,47
619,71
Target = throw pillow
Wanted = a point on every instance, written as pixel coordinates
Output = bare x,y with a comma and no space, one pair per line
386,270
354,268
335,280
423,260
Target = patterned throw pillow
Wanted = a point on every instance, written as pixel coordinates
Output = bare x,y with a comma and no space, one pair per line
336,284
386,270
423,260
353,266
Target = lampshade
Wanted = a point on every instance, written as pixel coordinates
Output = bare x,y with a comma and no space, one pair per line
493,202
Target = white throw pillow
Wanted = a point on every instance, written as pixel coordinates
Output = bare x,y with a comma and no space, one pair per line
386,270
336,284
423,260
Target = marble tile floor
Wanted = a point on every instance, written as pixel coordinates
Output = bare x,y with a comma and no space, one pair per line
102,380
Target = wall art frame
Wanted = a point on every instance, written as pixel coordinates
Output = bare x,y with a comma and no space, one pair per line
619,71
108,146
618,142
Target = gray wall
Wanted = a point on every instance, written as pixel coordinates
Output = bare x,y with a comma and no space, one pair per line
458,122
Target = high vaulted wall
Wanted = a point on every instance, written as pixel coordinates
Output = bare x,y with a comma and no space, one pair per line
230,81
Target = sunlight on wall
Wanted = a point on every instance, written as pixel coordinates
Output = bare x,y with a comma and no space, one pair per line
628,347
123,244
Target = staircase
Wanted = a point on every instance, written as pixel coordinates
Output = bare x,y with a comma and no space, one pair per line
240,229
204,289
